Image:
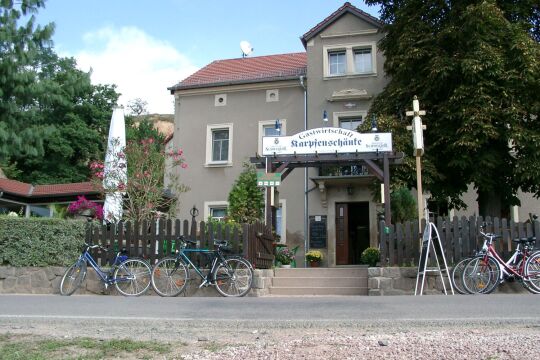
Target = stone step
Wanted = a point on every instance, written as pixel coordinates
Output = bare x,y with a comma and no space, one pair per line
318,291
322,272
297,281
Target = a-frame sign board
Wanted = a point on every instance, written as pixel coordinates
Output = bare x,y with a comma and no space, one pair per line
431,242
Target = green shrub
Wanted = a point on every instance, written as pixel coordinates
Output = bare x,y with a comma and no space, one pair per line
370,256
40,241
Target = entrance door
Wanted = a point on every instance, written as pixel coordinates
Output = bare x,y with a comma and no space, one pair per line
352,232
342,234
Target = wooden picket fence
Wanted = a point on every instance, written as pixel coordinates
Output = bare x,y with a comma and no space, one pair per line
152,240
460,237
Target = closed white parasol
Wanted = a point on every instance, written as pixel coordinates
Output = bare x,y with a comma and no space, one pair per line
115,169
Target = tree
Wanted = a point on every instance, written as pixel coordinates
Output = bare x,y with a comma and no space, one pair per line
52,119
475,67
20,44
246,200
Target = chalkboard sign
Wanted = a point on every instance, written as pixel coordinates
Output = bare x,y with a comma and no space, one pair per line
317,231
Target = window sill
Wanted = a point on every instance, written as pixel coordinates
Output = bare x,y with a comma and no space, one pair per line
349,76
218,164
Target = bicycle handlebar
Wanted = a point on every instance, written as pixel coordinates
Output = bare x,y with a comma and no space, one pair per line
88,246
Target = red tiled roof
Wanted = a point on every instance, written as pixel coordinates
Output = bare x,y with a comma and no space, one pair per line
245,70
23,189
346,8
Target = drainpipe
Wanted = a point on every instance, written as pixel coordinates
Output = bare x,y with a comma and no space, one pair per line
305,177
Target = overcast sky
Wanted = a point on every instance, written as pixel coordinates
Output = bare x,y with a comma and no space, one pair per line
146,46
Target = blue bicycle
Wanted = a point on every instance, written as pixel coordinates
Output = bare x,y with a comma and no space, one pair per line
130,276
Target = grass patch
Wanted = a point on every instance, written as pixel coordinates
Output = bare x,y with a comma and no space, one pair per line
25,347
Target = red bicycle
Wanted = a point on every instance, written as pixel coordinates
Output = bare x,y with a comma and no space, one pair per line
485,272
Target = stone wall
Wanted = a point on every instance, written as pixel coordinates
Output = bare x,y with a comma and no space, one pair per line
381,282
46,280
402,281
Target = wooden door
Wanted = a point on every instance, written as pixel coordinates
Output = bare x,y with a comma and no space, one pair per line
342,234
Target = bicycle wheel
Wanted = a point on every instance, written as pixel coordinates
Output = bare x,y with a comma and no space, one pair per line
481,276
532,272
132,277
169,277
73,278
233,277
457,276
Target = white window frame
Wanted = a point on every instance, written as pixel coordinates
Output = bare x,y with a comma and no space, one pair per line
213,204
264,123
209,144
336,116
350,64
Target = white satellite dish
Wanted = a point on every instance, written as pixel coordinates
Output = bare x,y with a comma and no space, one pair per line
246,48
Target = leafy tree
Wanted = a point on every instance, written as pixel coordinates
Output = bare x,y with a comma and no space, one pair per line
403,205
139,125
475,67
20,44
78,114
246,200
52,119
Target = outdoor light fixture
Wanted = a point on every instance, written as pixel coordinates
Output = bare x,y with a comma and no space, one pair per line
374,124
278,126
325,117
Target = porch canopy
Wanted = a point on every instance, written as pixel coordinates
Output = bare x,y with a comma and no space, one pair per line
329,147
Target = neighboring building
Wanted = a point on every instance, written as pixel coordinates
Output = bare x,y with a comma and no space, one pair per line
223,110
39,200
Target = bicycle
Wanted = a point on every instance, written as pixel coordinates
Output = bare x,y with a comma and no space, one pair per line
231,275
485,272
131,277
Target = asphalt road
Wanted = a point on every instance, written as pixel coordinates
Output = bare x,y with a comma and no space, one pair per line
351,309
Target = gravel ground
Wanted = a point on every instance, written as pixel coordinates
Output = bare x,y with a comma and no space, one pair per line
308,340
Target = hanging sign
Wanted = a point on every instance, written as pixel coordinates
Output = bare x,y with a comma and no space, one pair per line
268,179
328,140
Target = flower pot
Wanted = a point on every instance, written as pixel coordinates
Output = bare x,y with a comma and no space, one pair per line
314,263
286,266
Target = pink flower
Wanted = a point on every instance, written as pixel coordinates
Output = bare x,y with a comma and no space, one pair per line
184,165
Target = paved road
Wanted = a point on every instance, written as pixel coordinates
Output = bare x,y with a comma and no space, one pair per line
495,307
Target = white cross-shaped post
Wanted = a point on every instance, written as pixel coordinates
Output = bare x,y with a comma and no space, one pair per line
418,144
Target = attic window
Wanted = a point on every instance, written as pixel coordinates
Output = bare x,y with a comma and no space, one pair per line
220,100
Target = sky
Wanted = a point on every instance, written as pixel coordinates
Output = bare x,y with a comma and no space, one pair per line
144,47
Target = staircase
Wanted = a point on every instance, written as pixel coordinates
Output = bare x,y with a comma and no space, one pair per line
320,281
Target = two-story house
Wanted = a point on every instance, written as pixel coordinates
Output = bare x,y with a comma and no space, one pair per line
223,110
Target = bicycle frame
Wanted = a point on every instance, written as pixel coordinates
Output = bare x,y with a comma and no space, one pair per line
103,275
216,259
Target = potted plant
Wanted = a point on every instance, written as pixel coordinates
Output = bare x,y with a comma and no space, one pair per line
284,256
370,256
314,257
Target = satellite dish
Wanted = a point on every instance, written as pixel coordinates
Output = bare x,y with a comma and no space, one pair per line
246,48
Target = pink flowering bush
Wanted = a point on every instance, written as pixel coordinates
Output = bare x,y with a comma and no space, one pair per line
147,165
83,205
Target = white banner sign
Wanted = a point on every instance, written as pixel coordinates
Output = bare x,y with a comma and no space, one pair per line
327,141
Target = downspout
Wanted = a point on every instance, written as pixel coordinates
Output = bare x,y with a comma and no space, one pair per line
305,177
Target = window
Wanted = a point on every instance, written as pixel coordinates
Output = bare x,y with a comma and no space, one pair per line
219,139
337,62
350,123
217,210
350,59
268,128
220,145
362,61
218,213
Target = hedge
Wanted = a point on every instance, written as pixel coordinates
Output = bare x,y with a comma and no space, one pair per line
40,241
